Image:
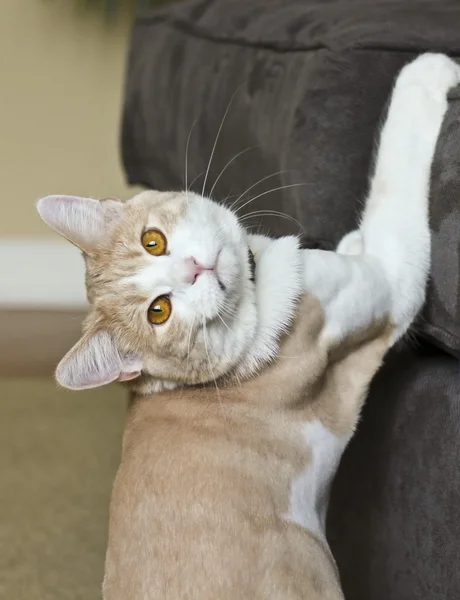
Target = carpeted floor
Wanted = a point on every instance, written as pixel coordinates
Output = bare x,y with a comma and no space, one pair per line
59,451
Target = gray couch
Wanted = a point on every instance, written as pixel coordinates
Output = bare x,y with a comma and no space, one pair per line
306,83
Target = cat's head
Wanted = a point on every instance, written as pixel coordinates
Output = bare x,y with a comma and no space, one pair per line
174,293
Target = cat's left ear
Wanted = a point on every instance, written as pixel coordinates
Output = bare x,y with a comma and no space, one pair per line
83,221
94,361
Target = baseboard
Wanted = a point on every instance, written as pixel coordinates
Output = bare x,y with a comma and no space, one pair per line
38,273
42,304
32,342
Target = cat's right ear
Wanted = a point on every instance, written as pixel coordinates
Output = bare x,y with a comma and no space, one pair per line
83,221
94,361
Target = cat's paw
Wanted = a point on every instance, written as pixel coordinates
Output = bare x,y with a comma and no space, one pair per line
436,73
352,243
419,100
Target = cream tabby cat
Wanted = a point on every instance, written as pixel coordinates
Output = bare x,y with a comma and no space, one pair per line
223,487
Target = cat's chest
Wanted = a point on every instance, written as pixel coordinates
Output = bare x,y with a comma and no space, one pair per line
309,489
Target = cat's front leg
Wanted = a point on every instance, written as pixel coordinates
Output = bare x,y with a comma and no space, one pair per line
380,270
395,225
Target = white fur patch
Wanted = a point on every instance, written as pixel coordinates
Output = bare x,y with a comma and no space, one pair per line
395,222
310,490
352,290
279,285
381,270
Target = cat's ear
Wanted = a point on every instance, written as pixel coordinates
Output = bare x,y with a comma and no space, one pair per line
83,221
95,361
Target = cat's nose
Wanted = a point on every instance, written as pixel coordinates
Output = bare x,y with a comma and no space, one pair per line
194,269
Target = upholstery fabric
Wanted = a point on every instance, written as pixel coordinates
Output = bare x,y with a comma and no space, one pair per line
442,313
394,518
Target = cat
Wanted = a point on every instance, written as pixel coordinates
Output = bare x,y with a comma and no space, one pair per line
250,360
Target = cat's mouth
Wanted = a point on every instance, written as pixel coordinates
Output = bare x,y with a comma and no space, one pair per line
217,275
221,274
252,265
252,271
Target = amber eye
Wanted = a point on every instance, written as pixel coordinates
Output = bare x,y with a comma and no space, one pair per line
160,310
154,242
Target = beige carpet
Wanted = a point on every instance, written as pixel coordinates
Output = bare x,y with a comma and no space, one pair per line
59,452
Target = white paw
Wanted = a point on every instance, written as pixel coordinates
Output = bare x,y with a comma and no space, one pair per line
352,243
436,73
420,99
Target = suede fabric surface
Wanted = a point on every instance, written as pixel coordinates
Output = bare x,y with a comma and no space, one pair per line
394,517
442,313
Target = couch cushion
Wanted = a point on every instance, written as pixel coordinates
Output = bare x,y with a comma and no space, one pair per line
298,88
394,516
442,312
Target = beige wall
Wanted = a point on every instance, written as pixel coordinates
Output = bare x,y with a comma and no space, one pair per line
61,78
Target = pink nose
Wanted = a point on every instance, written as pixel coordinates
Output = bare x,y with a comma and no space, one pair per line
194,269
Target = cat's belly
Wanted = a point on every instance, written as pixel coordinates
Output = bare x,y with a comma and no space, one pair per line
309,494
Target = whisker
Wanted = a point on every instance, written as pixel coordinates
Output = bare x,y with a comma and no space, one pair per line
282,187
186,152
260,181
229,197
228,164
275,213
217,136
188,346
194,179
228,312
209,359
219,399
225,324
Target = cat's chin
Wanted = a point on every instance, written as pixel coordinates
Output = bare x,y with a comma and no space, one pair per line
266,313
